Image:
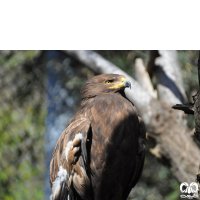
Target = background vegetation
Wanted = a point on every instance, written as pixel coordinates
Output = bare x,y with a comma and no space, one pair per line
24,109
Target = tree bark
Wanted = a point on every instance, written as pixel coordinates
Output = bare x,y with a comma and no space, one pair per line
167,126
196,99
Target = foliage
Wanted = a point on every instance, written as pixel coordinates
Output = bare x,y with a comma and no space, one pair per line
22,115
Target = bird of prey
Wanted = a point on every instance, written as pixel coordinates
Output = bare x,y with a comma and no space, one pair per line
100,155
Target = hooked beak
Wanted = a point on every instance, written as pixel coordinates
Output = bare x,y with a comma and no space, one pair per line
123,83
128,84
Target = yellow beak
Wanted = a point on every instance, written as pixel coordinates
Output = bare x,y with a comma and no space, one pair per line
124,83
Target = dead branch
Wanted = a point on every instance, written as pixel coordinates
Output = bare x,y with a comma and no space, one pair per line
142,76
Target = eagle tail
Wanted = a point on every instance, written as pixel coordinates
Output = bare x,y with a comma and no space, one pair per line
59,191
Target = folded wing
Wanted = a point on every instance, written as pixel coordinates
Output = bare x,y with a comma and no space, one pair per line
69,163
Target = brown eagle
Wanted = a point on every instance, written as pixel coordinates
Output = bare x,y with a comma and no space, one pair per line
100,155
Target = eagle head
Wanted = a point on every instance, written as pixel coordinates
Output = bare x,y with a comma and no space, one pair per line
104,84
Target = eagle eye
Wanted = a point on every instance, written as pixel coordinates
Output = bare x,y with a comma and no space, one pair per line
108,81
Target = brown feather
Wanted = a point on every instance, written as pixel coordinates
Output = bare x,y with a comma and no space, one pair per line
109,159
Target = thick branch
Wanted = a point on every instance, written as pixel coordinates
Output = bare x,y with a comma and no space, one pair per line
143,78
175,143
167,72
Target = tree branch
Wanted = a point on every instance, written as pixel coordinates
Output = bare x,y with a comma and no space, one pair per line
167,72
143,78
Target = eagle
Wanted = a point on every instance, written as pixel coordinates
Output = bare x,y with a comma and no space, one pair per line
100,155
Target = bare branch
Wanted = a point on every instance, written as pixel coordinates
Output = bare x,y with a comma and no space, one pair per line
143,78
169,77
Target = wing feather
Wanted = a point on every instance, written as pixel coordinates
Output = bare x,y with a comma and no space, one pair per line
68,166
